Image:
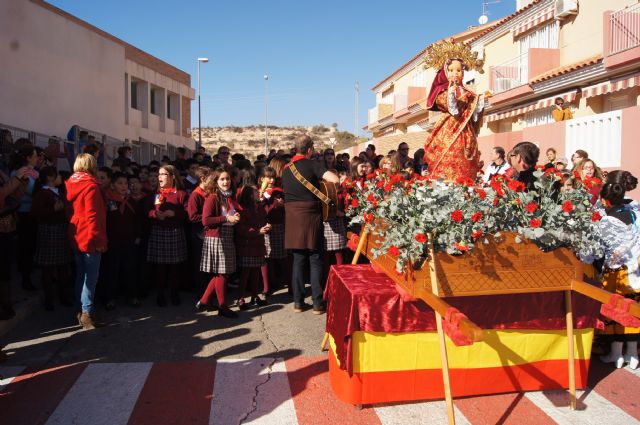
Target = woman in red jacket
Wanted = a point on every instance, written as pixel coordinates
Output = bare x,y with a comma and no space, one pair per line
167,247
88,229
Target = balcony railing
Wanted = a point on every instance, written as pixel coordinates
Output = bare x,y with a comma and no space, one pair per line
400,102
625,29
511,74
373,115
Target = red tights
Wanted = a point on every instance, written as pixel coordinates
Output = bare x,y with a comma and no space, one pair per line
216,283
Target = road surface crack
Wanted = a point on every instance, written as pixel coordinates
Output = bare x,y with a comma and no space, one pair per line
256,392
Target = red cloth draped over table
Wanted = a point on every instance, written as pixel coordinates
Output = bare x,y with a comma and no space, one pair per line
362,300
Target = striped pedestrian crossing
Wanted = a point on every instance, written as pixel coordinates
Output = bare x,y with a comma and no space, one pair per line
275,391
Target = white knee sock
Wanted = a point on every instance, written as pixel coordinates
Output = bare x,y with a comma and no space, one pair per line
615,356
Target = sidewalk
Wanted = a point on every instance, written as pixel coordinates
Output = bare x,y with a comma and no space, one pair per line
24,302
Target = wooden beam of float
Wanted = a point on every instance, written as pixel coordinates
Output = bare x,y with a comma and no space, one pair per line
601,295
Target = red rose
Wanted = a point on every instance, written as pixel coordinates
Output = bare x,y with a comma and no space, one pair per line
481,193
531,207
495,201
371,176
368,218
577,175
550,171
477,234
388,187
457,216
518,201
567,206
394,251
596,216
354,203
461,247
379,183
374,204
516,186
421,238
371,198
535,222
539,167
464,181
476,217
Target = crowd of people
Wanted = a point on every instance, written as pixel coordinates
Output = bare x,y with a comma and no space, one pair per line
205,223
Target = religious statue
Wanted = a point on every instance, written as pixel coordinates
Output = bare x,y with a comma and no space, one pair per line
451,150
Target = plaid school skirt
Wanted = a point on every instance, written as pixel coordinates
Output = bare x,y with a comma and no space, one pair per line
219,253
167,245
335,234
274,242
250,261
52,245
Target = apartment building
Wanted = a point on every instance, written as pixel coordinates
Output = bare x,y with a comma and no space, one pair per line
586,52
60,73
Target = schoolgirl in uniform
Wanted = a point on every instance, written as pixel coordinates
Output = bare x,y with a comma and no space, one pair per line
219,216
53,251
272,196
250,244
195,206
123,234
167,247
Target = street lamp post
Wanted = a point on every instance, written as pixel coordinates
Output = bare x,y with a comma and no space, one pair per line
199,113
266,114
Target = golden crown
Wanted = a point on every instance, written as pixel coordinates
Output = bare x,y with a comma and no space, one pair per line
438,54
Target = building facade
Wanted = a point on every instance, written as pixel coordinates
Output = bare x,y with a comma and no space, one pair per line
60,72
586,52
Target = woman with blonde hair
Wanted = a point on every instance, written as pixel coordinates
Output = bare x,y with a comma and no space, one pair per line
88,229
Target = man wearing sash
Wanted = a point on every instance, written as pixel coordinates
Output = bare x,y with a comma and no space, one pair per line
303,223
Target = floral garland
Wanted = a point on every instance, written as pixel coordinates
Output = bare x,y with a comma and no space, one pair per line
461,214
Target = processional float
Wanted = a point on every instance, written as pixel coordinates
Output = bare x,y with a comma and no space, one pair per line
503,266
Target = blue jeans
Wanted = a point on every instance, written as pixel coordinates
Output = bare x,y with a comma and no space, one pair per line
87,268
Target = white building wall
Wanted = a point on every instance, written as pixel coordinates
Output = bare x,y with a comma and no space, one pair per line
55,73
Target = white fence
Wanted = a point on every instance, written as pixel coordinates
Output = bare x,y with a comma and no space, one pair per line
625,29
600,135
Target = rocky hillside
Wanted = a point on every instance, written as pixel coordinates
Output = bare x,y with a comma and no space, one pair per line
250,140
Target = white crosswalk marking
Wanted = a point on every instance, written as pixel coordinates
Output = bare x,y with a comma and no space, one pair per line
431,412
105,394
592,408
235,389
8,374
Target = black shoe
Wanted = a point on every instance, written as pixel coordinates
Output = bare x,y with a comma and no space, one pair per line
320,309
161,300
225,311
202,307
300,307
259,302
48,305
242,305
28,286
175,299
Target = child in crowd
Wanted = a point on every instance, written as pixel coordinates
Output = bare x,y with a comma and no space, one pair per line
219,215
167,247
152,182
53,251
250,246
335,234
191,181
143,175
135,188
196,230
104,178
273,203
123,234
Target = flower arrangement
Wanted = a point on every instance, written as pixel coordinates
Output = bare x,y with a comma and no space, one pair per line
460,215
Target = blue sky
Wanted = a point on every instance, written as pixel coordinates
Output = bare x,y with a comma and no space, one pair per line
313,52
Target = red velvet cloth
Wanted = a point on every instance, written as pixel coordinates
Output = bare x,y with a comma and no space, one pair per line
361,300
